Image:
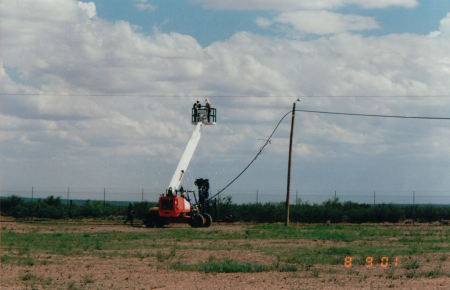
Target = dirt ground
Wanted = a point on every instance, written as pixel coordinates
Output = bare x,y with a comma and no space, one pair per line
123,271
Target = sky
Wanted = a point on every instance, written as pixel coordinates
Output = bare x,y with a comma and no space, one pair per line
98,94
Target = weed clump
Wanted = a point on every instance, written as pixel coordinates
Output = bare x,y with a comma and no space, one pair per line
413,265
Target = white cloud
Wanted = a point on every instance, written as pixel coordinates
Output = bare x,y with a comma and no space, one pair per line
310,151
284,5
61,49
263,22
383,3
144,5
445,25
325,22
89,7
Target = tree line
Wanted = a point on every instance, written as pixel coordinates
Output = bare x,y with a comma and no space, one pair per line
332,211
225,210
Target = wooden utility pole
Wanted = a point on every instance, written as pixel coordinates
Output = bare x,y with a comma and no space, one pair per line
289,167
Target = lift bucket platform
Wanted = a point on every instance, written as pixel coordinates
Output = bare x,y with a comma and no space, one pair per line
202,116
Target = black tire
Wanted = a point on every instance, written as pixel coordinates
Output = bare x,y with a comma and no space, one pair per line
149,224
151,220
208,220
197,221
160,222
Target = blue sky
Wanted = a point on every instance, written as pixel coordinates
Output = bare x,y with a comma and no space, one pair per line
94,66
421,19
207,25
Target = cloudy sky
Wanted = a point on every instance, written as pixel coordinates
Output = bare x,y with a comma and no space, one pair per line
98,94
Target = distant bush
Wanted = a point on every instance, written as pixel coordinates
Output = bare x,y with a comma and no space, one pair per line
223,209
11,205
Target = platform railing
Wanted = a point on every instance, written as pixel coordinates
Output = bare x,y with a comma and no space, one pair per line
201,115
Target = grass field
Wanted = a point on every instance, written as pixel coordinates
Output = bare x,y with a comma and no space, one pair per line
89,254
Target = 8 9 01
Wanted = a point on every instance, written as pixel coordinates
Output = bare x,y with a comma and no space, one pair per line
384,262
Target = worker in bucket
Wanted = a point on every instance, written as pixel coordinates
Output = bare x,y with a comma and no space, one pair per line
208,108
196,106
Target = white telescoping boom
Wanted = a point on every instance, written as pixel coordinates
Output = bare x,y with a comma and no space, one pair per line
177,177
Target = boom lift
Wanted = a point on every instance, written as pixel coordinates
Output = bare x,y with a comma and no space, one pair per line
175,204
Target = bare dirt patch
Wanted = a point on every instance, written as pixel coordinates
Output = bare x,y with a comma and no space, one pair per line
146,264
127,273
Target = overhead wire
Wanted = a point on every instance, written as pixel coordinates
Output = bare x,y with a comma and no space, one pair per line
125,94
319,112
374,115
254,158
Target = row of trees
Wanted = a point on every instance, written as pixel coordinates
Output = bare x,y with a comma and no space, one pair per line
55,208
332,210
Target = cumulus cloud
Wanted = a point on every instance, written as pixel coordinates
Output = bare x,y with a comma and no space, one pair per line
144,5
303,4
325,22
94,79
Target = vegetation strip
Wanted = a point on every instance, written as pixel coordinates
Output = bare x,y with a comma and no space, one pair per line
230,266
330,211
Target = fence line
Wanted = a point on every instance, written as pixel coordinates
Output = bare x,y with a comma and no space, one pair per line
259,196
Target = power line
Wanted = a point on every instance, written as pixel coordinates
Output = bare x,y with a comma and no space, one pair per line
212,95
320,112
254,158
374,115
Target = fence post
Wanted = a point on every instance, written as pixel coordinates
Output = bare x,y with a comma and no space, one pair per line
257,193
215,209
218,204
104,198
142,199
335,195
296,197
374,198
67,199
32,193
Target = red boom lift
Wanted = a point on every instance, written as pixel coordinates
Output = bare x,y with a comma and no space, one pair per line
175,204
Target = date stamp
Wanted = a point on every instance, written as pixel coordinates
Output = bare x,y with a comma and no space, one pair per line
370,262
